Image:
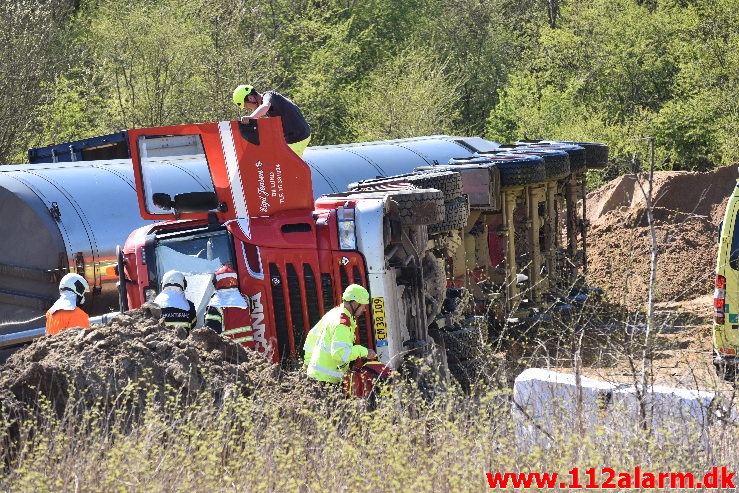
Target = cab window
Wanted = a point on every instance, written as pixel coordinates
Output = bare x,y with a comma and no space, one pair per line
172,164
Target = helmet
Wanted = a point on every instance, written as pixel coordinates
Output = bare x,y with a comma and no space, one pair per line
240,94
355,292
75,283
174,278
225,277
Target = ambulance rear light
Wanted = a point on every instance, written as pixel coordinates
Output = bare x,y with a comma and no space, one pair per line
719,300
720,282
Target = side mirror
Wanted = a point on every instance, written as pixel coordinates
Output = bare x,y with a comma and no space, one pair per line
718,231
194,202
162,200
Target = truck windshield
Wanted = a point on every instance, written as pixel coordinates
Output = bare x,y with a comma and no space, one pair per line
195,254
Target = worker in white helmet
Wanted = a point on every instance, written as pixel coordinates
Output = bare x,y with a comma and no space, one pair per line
66,313
177,310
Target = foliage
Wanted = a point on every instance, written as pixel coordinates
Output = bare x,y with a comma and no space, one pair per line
413,94
31,55
610,71
481,42
327,78
643,72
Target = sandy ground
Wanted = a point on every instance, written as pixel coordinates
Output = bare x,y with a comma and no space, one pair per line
688,208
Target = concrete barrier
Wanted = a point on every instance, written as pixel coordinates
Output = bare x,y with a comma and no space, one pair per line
548,405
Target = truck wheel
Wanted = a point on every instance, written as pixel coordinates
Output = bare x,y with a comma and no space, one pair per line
574,150
514,171
419,207
556,164
596,155
522,172
447,182
457,212
463,344
468,372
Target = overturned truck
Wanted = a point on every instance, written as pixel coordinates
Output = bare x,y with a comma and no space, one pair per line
450,248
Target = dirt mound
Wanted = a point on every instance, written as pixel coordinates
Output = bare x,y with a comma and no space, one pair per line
687,210
95,366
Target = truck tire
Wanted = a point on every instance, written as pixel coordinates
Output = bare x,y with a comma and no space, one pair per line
463,344
575,151
448,182
596,155
456,214
556,163
419,207
514,171
468,372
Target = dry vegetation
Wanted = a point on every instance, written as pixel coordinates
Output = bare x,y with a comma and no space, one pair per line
282,441
238,423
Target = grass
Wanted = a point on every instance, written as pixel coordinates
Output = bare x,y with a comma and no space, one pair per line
278,440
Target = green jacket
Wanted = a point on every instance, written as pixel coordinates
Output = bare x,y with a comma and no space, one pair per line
329,346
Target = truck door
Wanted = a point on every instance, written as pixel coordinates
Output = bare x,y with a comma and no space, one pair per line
252,172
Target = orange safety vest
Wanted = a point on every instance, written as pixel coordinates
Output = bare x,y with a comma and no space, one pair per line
64,319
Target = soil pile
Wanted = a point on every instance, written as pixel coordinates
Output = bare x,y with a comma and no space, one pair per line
687,210
95,366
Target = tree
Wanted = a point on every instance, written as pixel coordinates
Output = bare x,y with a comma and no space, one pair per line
402,98
602,74
31,54
482,43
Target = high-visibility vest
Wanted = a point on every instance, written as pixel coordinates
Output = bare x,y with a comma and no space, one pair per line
329,346
64,319
233,322
177,310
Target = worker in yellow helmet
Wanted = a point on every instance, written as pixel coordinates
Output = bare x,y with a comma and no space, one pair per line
272,103
329,346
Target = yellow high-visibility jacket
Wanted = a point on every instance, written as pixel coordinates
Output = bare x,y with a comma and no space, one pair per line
329,346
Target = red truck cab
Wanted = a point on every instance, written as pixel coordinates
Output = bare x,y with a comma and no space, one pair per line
257,216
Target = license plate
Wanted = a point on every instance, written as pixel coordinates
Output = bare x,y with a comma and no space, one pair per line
378,314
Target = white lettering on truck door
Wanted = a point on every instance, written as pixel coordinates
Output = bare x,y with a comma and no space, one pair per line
257,315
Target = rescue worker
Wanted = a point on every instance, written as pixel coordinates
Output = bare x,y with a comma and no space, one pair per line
177,310
272,103
329,346
228,311
65,312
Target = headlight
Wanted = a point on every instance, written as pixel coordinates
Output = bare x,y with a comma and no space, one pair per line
347,235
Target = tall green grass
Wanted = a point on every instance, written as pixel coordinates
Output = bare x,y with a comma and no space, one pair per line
301,438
